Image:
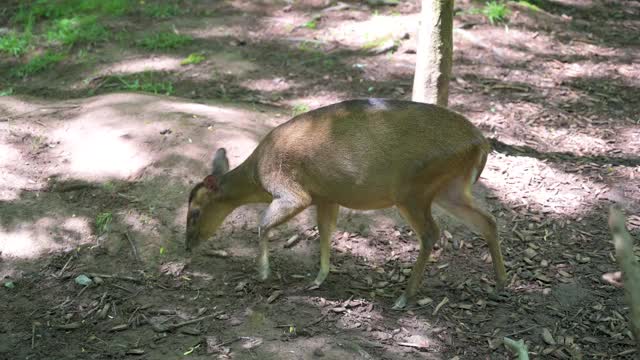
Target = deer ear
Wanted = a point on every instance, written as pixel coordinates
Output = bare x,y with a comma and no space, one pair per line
220,162
211,182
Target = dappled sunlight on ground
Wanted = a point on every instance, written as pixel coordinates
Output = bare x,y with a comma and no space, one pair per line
137,65
316,101
267,85
96,150
10,181
532,183
30,240
371,32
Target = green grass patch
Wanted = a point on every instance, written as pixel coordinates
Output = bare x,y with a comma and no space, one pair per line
70,31
38,64
58,9
377,42
6,92
164,41
14,44
528,5
311,24
161,11
193,59
144,82
299,109
495,11
103,222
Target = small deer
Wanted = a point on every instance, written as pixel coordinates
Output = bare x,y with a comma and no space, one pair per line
360,154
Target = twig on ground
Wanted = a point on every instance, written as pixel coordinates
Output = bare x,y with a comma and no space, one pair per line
181,324
121,277
133,246
54,108
64,267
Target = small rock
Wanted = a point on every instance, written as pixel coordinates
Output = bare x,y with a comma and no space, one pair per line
251,342
317,352
240,286
135,352
547,337
119,327
98,280
544,263
217,253
83,280
9,284
530,253
424,301
543,278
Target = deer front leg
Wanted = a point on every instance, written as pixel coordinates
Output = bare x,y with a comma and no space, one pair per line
428,232
281,209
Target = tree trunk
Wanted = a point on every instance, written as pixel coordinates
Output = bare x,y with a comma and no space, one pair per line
434,56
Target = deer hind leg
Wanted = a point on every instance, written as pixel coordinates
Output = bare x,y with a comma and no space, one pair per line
327,218
458,201
420,219
282,208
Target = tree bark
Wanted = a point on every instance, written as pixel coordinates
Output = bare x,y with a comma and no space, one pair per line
434,55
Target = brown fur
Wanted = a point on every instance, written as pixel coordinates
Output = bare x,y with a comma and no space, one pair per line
359,154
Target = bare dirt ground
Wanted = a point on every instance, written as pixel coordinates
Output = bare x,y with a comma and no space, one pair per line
557,91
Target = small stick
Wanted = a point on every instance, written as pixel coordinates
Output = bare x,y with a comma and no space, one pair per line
33,336
65,266
55,108
412,345
181,324
316,321
82,291
522,331
133,246
292,241
122,288
121,277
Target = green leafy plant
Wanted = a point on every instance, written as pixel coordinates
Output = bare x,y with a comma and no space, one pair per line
161,11
14,44
164,41
145,82
194,58
528,5
38,64
103,222
48,9
6,92
69,31
379,41
300,109
495,11
311,24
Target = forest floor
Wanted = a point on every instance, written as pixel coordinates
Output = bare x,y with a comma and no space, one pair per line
101,140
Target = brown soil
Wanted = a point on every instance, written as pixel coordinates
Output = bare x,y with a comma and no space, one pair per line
557,91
